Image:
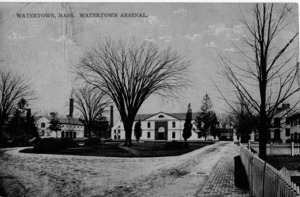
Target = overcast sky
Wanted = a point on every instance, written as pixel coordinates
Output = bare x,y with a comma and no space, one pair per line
45,49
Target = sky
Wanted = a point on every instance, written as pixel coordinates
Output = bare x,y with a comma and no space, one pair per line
44,50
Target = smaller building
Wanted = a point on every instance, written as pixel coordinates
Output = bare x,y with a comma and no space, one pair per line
70,128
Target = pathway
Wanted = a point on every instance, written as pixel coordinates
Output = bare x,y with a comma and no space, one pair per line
204,172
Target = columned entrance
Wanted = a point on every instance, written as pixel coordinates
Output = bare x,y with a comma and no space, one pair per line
161,130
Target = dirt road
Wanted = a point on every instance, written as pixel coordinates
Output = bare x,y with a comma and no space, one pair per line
61,175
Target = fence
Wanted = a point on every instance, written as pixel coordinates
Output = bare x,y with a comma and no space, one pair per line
278,149
264,179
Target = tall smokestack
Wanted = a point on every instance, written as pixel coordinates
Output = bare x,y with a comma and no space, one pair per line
111,116
71,108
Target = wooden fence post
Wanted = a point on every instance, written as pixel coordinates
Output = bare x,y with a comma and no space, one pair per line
293,149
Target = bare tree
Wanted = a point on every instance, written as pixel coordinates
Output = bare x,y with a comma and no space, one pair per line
267,75
12,88
91,103
129,73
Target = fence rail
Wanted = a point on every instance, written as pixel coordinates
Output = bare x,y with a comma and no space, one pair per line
278,149
264,179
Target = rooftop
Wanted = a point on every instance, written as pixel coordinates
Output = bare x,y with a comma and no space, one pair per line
71,121
179,116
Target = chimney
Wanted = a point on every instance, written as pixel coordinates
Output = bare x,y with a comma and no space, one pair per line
111,116
52,114
71,108
285,106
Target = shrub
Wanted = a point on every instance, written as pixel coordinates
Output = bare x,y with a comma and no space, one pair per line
4,142
93,142
35,140
69,143
288,141
175,145
19,142
224,138
49,145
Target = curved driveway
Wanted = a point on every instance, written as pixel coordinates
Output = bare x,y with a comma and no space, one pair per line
63,175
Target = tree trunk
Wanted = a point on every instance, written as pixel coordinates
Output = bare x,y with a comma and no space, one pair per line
89,132
128,132
1,131
263,137
1,128
263,125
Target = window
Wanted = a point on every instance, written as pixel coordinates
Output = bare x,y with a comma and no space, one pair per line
173,135
148,134
115,131
173,124
62,134
43,125
148,125
160,116
287,121
277,122
287,132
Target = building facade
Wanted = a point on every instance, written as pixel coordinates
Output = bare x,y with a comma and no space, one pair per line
293,131
70,128
280,131
159,126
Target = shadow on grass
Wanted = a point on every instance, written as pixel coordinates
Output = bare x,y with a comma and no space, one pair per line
2,191
10,186
137,150
240,177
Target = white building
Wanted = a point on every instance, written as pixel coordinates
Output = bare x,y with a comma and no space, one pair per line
159,126
281,128
293,121
70,128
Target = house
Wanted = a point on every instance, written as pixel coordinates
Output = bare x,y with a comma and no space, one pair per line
70,127
280,130
293,121
159,126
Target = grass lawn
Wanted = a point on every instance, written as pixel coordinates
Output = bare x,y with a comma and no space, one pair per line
111,149
289,162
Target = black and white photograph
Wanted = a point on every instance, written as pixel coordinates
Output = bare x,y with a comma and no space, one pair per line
149,99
